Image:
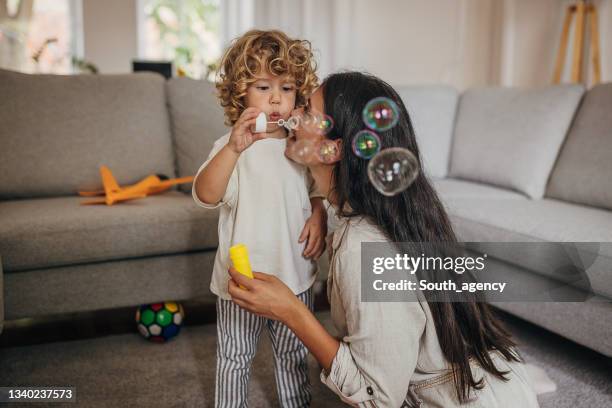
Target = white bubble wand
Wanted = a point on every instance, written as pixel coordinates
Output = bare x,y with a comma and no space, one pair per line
261,123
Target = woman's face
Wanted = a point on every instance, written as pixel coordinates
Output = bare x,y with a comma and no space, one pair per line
301,145
304,142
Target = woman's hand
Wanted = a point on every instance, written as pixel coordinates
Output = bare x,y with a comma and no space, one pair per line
242,137
265,295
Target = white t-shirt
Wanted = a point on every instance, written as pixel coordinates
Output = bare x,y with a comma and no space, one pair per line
265,207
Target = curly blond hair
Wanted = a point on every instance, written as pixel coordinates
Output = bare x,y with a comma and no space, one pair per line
272,51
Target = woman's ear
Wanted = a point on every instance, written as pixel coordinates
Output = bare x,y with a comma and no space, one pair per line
338,152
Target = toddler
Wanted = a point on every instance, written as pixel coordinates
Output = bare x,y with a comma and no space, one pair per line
266,202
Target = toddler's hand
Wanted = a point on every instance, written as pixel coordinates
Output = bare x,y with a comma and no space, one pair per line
314,233
242,137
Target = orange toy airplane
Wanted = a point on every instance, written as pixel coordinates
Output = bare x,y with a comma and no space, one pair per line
114,193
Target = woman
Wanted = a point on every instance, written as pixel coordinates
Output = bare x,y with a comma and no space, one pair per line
391,354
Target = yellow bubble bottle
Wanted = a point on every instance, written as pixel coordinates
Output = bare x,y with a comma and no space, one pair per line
239,256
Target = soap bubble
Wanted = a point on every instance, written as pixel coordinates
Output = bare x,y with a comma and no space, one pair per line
327,151
380,114
301,150
324,124
315,122
292,123
306,118
393,170
366,144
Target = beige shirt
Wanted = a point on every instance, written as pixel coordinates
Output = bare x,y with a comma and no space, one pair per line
389,353
265,206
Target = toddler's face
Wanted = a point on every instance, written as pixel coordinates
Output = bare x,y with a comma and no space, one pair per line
273,95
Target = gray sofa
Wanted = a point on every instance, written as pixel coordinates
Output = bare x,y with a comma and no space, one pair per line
509,164
530,166
56,131
59,256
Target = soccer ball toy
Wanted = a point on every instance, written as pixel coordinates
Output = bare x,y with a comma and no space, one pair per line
159,322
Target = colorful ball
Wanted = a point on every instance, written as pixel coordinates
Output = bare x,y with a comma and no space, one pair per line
159,322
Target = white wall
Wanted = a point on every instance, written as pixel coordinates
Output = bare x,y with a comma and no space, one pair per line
463,43
110,34
529,42
314,20
535,33
421,41
454,42
605,19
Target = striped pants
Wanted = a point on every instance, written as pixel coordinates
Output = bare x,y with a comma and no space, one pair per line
238,332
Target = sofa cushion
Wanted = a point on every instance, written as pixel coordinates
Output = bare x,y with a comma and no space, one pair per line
538,221
432,112
197,121
542,220
48,232
57,131
511,137
581,322
109,285
455,188
582,172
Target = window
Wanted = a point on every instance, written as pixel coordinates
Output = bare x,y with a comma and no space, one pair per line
186,32
40,36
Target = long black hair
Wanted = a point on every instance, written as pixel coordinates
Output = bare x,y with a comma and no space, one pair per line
466,329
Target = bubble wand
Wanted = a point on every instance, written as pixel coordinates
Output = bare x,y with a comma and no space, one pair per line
261,123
